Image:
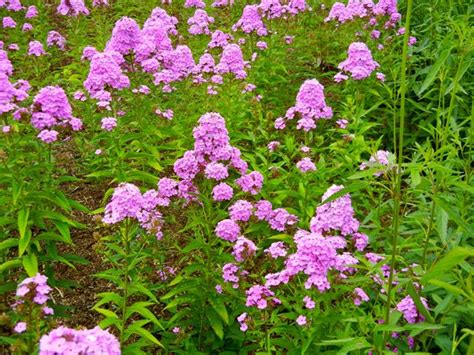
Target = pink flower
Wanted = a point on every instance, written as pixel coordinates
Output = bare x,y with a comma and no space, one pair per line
301,320
305,165
360,296
108,123
20,327
273,145
359,62
308,302
342,123
228,230
222,192
36,48
48,136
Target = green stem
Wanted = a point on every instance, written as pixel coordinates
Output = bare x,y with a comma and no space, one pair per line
428,233
126,245
398,174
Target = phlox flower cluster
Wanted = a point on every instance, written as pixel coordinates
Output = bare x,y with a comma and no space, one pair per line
219,39
316,256
410,312
8,22
108,123
97,3
360,296
243,319
178,64
363,9
128,202
305,165
26,27
125,36
232,61
232,273
199,4
296,6
56,39
354,8
11,5
277,250
36,48
380,158
213,156
32,291
258,296
337,215
153,40
51,109
222,3
199,23
243,249
105,74
31,12
319,253
64,340
72,8
272,8
251,21
10,93
359,62
310,107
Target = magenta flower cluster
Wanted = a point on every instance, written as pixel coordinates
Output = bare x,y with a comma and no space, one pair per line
33,290
359,62
72,8
310,107
381,158
10,93
410,312
50,111
128,202
199,23
251,21
63,340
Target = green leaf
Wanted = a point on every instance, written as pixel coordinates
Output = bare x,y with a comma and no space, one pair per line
216,323
147,335
453,215
176,280
455,257
220,308
30,263
9,243
448,287
140,307
10,264
64,230
434,70
142,289
24,242
106,312
23,215
106,297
